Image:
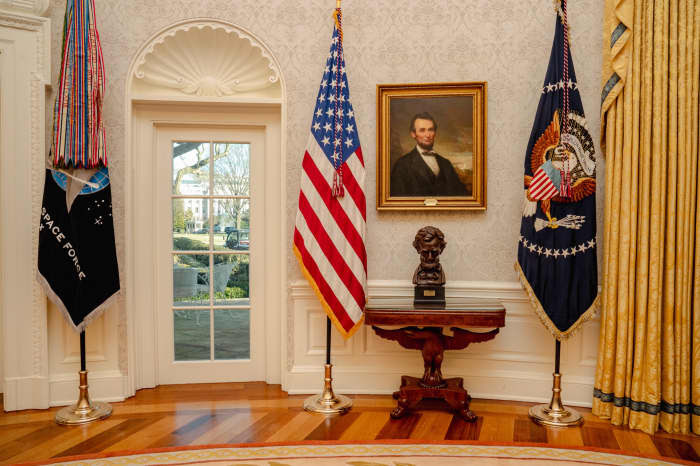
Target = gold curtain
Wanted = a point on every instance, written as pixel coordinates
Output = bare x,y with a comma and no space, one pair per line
648,371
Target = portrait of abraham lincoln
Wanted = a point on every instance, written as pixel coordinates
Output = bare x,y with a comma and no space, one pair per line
431,146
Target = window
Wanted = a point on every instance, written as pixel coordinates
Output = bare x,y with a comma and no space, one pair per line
211,253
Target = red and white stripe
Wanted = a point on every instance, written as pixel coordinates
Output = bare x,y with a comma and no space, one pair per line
329,236
541,186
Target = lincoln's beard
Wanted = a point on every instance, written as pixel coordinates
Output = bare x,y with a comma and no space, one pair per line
425,146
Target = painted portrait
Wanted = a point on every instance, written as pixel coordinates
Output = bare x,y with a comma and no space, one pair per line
431,146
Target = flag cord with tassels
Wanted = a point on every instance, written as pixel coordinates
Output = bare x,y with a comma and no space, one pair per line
566,173
338,191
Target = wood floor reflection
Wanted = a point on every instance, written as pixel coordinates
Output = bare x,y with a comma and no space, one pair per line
203,414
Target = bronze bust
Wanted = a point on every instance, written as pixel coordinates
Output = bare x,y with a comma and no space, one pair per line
429,277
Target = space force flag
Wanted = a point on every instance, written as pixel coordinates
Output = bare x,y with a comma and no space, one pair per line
557,244
329,232
77,255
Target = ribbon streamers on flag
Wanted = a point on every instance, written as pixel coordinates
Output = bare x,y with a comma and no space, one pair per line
78,133
329,233
557,260
77,254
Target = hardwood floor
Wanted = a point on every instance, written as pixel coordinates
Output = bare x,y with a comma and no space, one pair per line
204,414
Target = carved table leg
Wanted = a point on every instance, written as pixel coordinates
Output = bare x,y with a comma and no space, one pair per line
401,409
466,413
432,343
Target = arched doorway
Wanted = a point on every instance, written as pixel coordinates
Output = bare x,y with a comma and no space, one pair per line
205,254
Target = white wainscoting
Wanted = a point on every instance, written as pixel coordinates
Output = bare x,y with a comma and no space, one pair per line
516,365
25,73
106,381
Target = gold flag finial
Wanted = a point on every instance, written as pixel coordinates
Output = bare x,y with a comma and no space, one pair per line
336,17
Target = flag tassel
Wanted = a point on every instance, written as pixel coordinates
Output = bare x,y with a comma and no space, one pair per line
338,191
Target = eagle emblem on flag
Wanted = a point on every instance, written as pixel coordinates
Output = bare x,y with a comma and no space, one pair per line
552,154
557,261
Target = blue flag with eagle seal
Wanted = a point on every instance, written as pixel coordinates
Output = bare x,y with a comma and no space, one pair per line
557,260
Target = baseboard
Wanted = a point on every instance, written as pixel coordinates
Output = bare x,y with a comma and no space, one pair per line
25,393
576,391
109,386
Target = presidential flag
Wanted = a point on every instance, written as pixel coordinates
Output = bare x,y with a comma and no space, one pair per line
329,233
557,245
77,254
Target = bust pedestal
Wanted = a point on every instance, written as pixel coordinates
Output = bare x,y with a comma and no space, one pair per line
424,332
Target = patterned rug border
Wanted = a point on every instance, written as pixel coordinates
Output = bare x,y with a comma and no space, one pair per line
398,442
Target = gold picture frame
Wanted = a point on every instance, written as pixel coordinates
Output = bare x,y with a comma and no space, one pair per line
447,172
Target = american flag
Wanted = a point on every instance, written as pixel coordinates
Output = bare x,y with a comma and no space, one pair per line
329,233
543,184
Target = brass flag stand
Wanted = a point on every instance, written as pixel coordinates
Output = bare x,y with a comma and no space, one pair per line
328,402
84,410
555,414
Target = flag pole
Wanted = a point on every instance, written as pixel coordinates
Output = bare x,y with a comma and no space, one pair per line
555,414
84,410
328,402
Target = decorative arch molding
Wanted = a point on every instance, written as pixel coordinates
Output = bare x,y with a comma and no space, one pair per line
181,60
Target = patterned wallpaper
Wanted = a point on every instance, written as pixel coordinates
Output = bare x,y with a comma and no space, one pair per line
504,42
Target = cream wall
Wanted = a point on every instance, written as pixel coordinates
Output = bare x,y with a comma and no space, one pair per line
506,43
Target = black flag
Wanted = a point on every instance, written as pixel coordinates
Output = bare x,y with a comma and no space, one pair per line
557,245
77,254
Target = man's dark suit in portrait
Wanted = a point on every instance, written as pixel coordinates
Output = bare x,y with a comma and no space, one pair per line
423,172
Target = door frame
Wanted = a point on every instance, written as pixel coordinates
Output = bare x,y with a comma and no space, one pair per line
216,370
141,271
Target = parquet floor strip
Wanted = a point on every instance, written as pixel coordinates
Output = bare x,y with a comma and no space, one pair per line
432,425
197,427
599,437
99,442
265,427
497,428
565,436
34,437
10,433
525,430
222,432
367,426
399,428
69,437
140,440
298,428
460,429
333,427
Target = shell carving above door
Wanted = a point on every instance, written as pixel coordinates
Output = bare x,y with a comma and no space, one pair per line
206,58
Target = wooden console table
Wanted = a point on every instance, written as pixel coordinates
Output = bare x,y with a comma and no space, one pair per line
424,332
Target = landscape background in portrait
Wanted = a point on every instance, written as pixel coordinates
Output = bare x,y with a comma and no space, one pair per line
455,133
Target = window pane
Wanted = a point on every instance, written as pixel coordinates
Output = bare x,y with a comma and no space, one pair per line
231,280
190,279
232,334
192,342
190,224
232,169
191,168
234,223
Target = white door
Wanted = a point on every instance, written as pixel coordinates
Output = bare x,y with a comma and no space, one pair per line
210,225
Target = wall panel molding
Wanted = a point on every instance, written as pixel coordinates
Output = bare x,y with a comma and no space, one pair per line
516,365
24,76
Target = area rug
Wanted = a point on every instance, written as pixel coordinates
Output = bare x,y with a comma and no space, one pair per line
389,453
